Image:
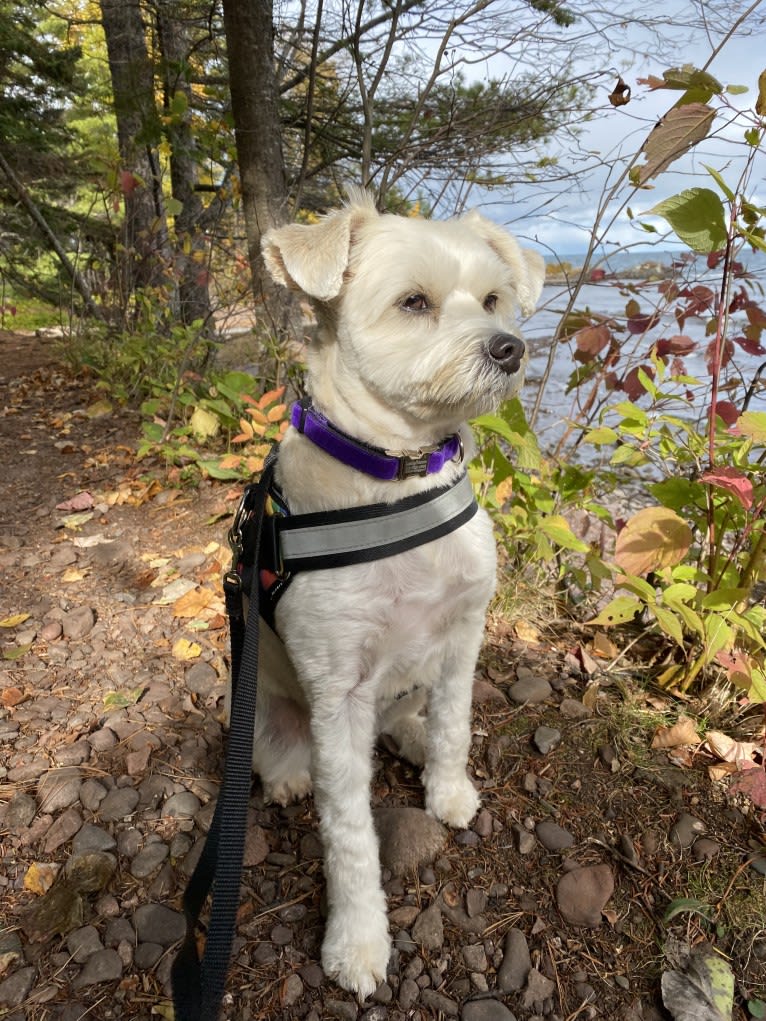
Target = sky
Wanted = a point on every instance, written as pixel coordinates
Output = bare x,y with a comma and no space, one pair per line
563,227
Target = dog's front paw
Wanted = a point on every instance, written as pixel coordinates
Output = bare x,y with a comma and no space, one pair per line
284,792
356,950
455,801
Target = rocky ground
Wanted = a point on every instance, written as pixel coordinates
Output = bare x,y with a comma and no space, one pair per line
113,673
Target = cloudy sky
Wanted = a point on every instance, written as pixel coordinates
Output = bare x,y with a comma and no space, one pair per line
564,223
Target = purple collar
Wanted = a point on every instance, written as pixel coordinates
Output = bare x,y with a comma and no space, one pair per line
381,464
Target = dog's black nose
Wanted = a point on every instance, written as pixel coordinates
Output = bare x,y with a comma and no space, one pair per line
507,351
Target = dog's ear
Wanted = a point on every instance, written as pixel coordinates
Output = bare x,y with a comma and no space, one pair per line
313,258
310,257
528,266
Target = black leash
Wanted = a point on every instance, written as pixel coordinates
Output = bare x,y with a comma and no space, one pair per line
198,985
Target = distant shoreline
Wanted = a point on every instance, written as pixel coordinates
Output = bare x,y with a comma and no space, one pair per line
565,271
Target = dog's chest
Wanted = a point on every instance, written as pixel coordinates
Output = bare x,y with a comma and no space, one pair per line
388,618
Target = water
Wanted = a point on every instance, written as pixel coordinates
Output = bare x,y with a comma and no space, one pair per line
608,299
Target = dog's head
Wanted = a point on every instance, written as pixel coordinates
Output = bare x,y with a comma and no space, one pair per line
421,312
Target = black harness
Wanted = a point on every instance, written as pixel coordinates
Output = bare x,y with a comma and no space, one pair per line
269,547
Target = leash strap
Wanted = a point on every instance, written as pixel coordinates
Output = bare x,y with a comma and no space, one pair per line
198,985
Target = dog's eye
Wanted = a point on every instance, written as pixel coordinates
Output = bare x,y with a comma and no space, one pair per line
490,303
416,303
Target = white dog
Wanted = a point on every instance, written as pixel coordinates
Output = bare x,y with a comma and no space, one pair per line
416,334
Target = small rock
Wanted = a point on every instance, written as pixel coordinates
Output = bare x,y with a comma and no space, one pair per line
51,631
183,805
59,788
475,957
92,838
545,739
201,678
438,1002
516,964
15,989
147,955
685,830
341,1009
483,824
148,860
523,839
83,942
20,812
428,930
572,709
530,689
90,872
155,923
705,849
62,830
290,990
118,804
103,966
486,1010
78,622
582,894
409,991
409,838
552,836
537,990
475,901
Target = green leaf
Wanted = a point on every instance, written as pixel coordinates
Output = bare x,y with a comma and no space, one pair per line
173,206
724,598
751,424
558,530
720,181
737,90
690,617
602,435
718,636
639,586
618,611
756,1009
760,103
697,216
683,905
214,470
669,623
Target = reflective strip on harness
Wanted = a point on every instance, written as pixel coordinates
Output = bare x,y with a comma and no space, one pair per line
358,535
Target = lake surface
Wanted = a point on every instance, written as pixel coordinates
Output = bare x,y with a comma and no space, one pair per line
607,298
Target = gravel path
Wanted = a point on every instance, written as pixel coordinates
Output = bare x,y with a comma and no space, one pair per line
113,673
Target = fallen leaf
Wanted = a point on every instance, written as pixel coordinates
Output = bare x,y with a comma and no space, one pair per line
590,695
72,574
602,647
191,603
74,521
11,697
183,649
81,502
730,750
16,652
526,632
684,732
122,699
718,770
99,409
40,877
704,991
15,620
751,782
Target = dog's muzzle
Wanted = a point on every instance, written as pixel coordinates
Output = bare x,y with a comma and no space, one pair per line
506,351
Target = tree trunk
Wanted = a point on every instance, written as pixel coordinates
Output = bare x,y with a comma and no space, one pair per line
193,251
258,132
144,232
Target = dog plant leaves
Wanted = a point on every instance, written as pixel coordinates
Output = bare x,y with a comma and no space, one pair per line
697,217
703,991
680,129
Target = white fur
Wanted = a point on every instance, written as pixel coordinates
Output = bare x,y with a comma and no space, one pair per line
358,637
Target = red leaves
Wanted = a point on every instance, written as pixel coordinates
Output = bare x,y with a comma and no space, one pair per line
591,340
733,481
679,344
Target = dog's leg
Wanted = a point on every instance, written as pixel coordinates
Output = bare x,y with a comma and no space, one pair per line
403,719
356,945
450,795
282,748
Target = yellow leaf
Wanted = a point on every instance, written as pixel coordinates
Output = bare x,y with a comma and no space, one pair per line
682,733
99,409
527,632
72,574
246,427
653,538
40,877
15,620
504,490
193,602
183,649
276,412
602,647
